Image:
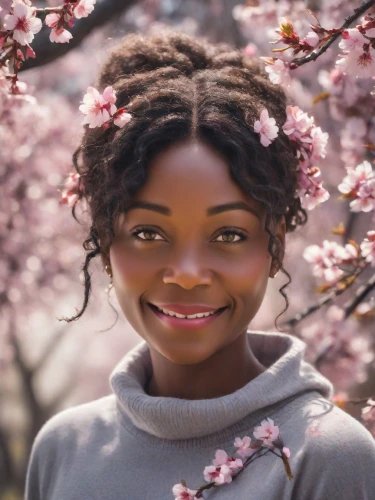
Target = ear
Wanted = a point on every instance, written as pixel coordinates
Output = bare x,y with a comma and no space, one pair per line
280,235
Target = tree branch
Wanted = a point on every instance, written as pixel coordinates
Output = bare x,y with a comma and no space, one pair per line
322,302
50,348
359,295
295,63
46,51
6,462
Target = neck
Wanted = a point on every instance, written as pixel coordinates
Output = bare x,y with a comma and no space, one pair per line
223,373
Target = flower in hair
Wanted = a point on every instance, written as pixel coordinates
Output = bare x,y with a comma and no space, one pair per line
266,127
100,109
74,188
310,143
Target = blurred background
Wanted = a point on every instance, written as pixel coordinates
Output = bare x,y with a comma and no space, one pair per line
47,365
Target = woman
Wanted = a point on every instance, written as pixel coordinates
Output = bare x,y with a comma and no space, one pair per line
190,203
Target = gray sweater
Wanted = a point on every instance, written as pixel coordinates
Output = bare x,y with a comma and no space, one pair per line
132,446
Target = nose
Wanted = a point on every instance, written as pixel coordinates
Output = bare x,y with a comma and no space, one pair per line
188,270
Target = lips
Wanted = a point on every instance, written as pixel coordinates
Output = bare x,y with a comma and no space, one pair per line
187,323
187,309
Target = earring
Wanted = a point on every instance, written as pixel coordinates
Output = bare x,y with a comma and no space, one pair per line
109,272
275,273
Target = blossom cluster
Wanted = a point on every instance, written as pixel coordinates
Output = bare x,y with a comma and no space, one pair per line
310,142
225,468
342,357
359,185
20,24
289,37
357,44
73,188
101,111
327,258
58,21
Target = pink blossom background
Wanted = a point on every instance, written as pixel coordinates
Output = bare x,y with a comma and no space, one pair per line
47,365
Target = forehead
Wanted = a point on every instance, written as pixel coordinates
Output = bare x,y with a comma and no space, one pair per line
191,174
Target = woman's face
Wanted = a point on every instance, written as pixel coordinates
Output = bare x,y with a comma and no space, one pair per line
193,242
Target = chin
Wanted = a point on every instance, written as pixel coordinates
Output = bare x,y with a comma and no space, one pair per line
192,355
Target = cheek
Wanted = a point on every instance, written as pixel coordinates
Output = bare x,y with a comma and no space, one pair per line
131,272
250,272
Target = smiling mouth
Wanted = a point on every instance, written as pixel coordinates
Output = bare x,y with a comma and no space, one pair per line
188,321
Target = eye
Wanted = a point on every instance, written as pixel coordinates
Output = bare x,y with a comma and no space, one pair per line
148,234
230,235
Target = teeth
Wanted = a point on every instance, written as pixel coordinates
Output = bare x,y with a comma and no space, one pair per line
191,316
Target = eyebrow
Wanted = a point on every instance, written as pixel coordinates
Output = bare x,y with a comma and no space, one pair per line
218,209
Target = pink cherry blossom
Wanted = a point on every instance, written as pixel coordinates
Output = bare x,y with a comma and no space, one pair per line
298,124
221,458
250,50
312,39
266,127
51,20
109,95
365,201
310,188
97,109
356,177
4,78
84,8
363,309
223,468
68,198
182,492
244,446
353,138
30,52
352,39
368,412
313,196
60,35
73,188
279,72
266,431
319,143
219,474
23,23
368,247
327,257
358,63
122,117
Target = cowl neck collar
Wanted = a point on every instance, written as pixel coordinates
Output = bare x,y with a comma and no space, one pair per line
287,374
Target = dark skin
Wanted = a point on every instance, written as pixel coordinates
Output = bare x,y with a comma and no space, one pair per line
190,257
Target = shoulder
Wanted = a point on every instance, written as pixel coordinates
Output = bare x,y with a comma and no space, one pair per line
66,439
74,426
338,450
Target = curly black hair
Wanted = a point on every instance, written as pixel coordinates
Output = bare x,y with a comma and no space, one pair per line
177,87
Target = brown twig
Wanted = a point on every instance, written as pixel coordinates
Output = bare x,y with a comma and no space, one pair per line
357,401
359,295
212,484
295,63
322,302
